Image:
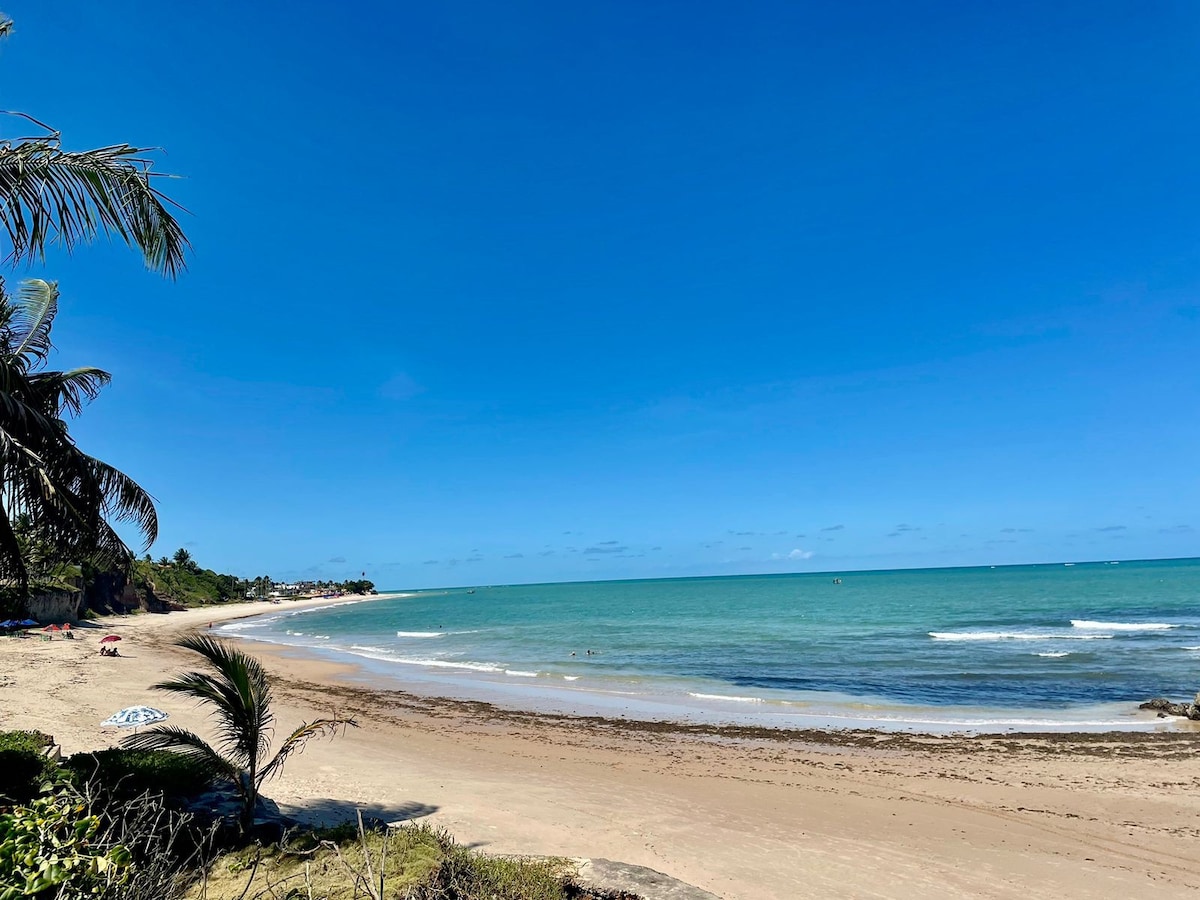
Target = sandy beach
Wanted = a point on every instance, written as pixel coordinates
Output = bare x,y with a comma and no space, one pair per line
739,812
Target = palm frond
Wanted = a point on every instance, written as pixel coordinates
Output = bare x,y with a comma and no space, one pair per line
6,26
185,743
33,314
50,195
241,697
297,740
12,556
123,498
68,392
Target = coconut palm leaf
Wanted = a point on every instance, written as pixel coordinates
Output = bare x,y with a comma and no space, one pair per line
69,497
68,392
33,313
239,694
122,498
185,743
297,740
50,195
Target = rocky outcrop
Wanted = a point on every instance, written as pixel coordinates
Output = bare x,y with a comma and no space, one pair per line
1165,708
114,592
56,606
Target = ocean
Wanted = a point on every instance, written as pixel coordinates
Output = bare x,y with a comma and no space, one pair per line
1036,647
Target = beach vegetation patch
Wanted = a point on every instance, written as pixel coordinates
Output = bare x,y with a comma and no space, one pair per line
49,848
125,774
237,693
415,861
24,764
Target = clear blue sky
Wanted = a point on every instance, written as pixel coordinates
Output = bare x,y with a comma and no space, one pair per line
503,292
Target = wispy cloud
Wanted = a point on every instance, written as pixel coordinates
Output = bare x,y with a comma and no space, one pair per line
1177,529
430,562
1112,528
337,559
834,528
400,386
515,556
800,554
590,551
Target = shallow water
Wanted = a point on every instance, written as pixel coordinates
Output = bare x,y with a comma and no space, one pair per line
1018,647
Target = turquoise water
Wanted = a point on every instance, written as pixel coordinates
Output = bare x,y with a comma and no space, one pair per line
1046,646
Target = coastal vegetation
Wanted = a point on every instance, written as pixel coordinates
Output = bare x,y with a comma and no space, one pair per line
57,503
238,695
184,582
138,822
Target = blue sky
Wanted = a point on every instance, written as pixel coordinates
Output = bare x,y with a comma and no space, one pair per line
490,293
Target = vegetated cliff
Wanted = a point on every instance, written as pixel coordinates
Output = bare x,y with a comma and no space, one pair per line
115,592
159,587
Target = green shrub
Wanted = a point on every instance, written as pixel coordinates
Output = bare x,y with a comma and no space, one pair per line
125,774
467,875
416,861
47,850
24,765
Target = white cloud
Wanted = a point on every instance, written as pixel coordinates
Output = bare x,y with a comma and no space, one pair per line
800,554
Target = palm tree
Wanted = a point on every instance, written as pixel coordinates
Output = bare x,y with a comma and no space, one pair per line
49,195
239,695
68,498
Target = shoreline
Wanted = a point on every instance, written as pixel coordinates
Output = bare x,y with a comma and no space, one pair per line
530,696
742,813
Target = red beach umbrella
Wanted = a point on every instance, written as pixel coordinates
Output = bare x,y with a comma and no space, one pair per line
51,628
66,626
108,639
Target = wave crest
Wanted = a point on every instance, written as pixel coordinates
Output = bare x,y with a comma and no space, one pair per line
1015,636
1121,626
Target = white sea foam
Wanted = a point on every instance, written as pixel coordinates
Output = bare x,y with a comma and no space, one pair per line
1014,636
576,677
1191,648
247,626
725,697
433,663
421,634
1121,626
519,674
1055,654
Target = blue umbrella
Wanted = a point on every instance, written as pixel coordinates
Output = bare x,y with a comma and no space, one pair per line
135,717
27,622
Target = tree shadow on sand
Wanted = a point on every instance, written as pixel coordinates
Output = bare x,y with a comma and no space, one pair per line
324,812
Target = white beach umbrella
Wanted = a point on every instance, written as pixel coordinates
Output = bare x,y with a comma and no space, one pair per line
135,717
